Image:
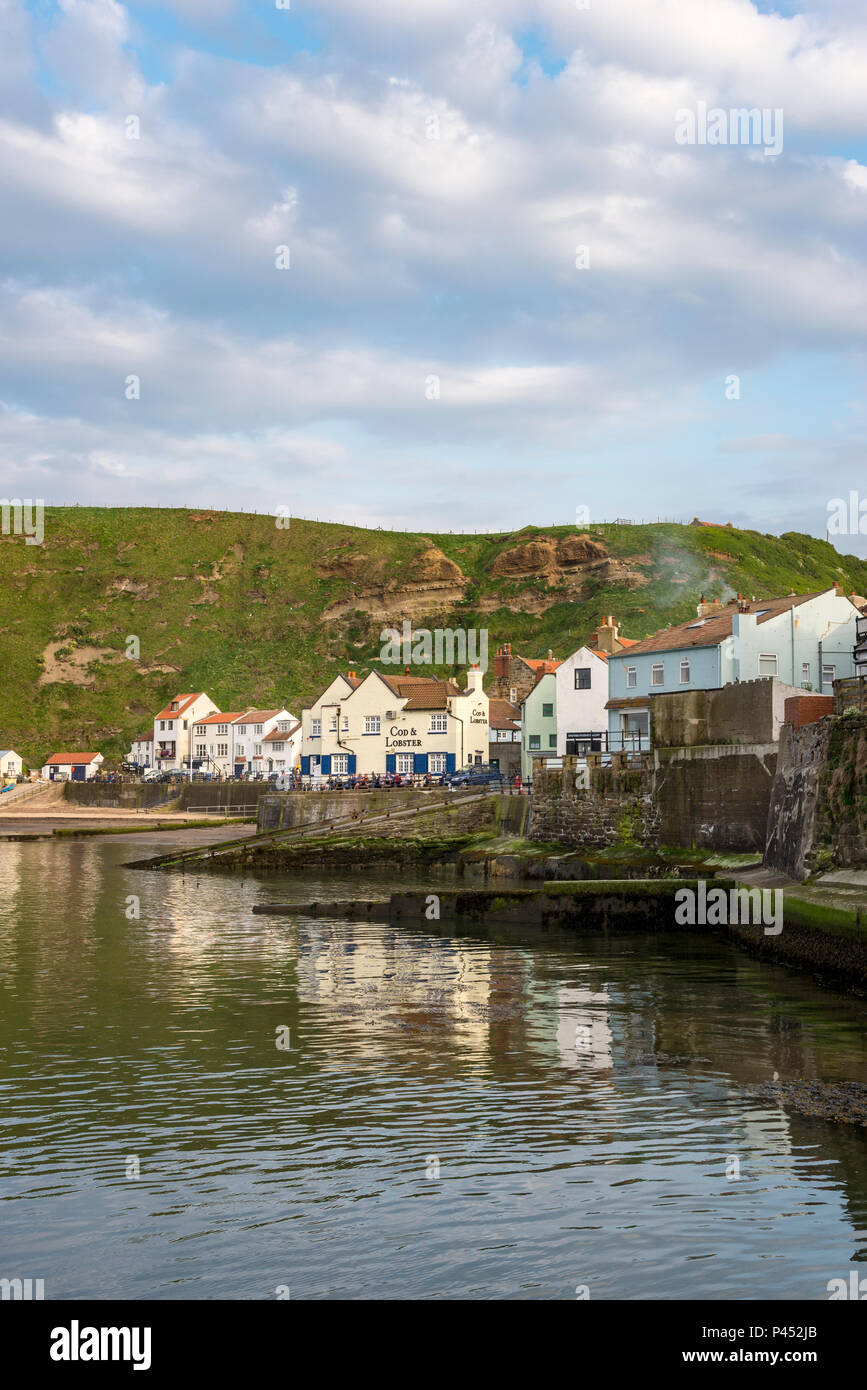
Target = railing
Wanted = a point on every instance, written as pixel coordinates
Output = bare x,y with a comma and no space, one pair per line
578,745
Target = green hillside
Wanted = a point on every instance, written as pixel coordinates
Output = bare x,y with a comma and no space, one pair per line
251,613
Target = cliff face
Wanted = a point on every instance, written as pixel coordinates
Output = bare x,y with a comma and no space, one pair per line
818,812
118,610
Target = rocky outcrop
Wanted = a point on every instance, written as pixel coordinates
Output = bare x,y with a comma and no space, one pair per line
545,556
431,583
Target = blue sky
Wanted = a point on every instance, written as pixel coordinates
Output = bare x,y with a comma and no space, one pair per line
433,356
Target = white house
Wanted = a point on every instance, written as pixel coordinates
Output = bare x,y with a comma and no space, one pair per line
407,725
72,767
173,727
141,750
582,694
10,763
212,743
282,746
250,753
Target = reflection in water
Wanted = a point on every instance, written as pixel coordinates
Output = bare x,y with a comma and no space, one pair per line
584,1098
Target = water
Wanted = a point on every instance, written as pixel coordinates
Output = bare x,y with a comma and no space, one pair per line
532,1070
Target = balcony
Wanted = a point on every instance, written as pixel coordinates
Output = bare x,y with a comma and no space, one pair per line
578,745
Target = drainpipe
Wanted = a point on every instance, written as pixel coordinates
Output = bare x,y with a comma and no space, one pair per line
820,665
792,623
461,722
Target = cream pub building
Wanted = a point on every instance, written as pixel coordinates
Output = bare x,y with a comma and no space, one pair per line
383,724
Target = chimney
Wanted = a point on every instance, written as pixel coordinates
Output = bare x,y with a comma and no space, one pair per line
550,655
606,638
503,662
406,671
474,681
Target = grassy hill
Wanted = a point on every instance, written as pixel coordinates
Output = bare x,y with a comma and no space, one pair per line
253,612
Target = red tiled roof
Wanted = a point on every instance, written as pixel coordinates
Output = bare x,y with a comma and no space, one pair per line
504,715
716,626
422,692
281,735
225,718
258,716
183,702
541,667
70,759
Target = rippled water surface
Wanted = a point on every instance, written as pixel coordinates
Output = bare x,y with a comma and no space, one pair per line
583,1100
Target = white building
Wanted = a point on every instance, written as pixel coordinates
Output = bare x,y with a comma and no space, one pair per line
250,753
582,694
282,746
407,725
141,751
10,763
173,728
72,767
212,743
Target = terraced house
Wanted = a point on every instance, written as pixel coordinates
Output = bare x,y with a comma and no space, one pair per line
173,729
805,640
407,725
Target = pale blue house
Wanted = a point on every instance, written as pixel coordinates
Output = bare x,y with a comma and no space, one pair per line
805,640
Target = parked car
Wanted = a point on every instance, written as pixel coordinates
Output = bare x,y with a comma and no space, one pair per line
475,777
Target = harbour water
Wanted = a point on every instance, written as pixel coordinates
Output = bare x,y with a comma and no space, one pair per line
198,1102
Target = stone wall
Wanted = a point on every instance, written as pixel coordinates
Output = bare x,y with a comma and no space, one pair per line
710,797
818,814
616,808
714,797
750,712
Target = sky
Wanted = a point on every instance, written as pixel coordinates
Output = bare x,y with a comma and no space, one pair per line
443,265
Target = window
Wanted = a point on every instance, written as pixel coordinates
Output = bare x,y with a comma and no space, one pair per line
513,695
257,728
805,672
257,752
657,673
767,663
174,704
222,750
284,726
316,729
828,674
371,723
535,741
684,671
344,725
240,750
185,724
242,728
162,724
404,763
332,727
548,711
552,740
277,747
170,724
200,730
582,678
222,729
631,677
201,750
438,723
340,764
436,763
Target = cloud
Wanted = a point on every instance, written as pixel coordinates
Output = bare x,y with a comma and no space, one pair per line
433,191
